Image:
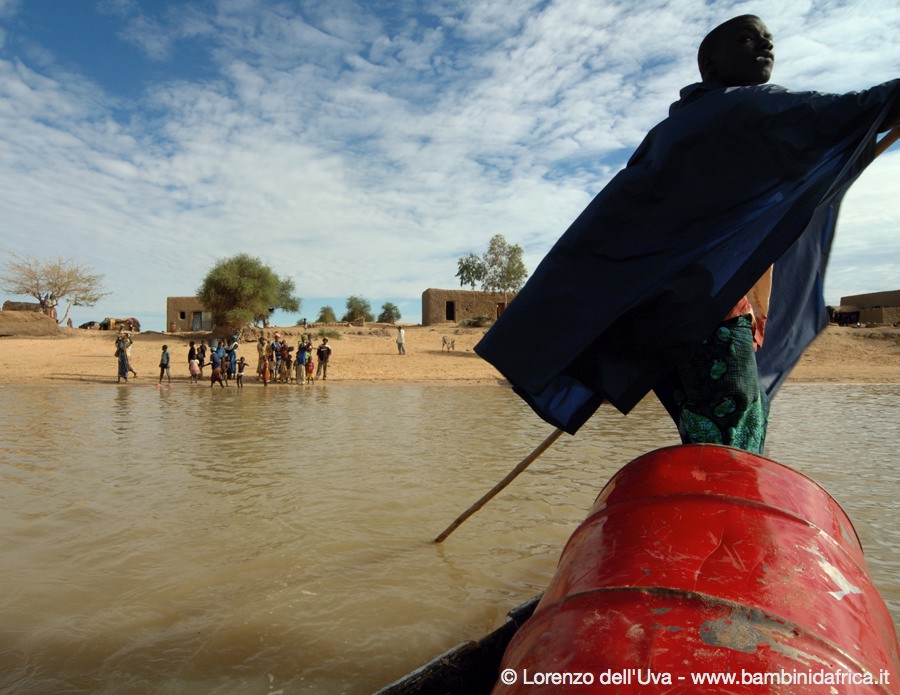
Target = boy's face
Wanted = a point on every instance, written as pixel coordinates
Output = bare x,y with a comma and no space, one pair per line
742,55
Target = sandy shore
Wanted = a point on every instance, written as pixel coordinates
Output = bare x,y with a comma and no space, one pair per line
369,354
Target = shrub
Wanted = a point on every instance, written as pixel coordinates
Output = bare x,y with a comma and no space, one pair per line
477,322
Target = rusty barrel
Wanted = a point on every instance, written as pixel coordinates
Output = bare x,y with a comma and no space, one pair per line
708,569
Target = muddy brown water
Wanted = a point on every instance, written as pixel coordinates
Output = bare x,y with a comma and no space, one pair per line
189,540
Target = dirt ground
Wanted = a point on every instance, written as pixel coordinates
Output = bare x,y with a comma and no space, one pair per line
369,354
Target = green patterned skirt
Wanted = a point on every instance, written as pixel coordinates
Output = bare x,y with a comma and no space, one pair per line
717,392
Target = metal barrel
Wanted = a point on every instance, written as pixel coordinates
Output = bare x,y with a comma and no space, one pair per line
707,569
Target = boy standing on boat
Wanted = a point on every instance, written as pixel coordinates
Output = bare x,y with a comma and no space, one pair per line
741,175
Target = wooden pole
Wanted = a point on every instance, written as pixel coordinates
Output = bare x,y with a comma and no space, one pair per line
885,142
888,140
523,464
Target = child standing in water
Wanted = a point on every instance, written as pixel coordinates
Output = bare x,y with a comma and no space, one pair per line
241,363
164,365
303,356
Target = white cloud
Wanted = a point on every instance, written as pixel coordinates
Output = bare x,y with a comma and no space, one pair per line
364,154
8,8
866,252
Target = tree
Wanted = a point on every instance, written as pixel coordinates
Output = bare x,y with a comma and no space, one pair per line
51,282
326,315
470,270
287,300
358,309
389,313
505,269
500,269
242,289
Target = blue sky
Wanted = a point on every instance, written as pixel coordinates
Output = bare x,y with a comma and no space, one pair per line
361,148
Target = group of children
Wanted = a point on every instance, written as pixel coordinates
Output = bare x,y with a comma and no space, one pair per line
277,362
223,360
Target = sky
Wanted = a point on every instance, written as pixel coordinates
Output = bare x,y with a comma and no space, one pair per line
362,148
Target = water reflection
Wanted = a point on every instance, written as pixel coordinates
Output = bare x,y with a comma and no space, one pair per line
196,540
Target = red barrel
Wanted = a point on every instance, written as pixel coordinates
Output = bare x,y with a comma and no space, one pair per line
708,569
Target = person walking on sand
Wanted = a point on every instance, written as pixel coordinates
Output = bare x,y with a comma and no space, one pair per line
124,365
401,341
164,360
126,341
323,353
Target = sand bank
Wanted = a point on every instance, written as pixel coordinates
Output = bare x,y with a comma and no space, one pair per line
369,354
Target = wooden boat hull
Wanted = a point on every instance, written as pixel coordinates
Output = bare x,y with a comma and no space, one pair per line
697,562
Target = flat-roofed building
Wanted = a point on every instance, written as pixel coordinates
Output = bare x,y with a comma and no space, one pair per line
454,306
874,307
187,314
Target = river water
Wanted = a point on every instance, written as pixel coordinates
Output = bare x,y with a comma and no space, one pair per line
278,540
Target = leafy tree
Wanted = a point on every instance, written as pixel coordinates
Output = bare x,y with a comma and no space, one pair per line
326,315
51,282
358,309
500,269
470,270
242,289
506,270
389,313
287,300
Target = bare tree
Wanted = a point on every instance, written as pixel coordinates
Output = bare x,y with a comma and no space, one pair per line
51,282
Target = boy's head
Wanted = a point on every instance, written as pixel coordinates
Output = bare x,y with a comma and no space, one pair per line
737,53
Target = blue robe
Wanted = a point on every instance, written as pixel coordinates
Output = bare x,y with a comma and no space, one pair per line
732,181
